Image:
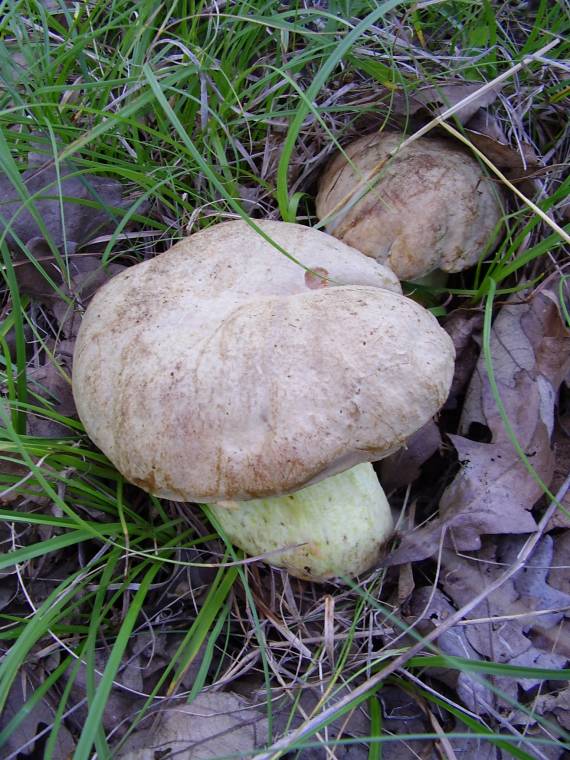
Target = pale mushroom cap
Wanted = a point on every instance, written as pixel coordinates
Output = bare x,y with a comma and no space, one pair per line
217,372
431,206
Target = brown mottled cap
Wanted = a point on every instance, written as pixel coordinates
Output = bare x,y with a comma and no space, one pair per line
430,207
218,371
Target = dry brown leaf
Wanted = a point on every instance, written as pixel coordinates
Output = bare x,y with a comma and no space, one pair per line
51,379
215,724
438,98
553,639
464,328
52,384
508,639
430,608
533,582
401,714
30,279
475,747
493,491
122,704
403,467
561,440
485,132
22,742
62,204
555,705
10,473
559,576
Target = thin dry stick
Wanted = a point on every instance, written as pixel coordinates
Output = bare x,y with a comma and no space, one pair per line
362,187
283,744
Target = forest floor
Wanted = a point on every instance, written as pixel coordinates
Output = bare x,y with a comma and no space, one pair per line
128,627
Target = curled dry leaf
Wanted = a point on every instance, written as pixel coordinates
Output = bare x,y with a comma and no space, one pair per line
464,328
482,127
403,467
485,132
494,490
438,98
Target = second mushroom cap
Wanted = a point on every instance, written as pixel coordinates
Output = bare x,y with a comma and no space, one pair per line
429,206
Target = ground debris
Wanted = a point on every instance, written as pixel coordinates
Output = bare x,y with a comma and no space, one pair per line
29,737
429,608
464,328
404,466
495,489
59,206
214,724
507,627
442,96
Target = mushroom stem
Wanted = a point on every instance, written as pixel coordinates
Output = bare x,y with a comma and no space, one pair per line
336,527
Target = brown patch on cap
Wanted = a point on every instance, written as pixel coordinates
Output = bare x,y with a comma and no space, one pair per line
316,278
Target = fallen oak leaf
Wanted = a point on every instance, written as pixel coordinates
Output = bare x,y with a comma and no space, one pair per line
532,582
530,350
503,626
32,279
468,507
559,577
214,724
438,98
87,275
27,738
50,382
554,705
494,489
429,607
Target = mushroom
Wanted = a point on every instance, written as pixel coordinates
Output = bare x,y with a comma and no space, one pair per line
222,372
430,207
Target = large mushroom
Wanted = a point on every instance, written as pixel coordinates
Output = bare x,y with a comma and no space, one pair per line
429,207
223,372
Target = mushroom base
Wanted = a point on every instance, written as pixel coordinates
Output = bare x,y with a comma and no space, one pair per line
333,528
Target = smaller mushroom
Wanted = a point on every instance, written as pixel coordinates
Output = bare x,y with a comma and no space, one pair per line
430,207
